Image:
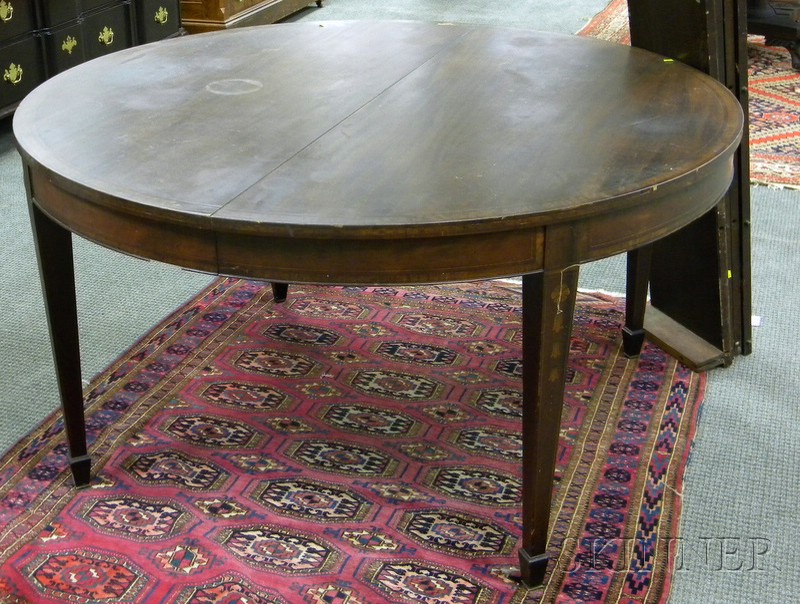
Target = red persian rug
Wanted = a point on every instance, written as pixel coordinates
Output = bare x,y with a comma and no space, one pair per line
351,445
774,100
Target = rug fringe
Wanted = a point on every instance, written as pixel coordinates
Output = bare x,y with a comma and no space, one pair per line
774,185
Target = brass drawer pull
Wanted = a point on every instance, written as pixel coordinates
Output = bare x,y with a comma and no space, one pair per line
161,15
6,11
69,44
106,36
13,74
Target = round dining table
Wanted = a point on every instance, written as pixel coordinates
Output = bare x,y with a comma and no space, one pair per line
364,153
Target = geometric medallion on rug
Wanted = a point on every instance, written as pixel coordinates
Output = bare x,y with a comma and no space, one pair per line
350,445
773,100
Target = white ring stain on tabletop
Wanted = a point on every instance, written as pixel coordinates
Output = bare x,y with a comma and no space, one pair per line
234,86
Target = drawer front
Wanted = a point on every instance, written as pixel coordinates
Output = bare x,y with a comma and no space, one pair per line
215,11
16,17
56,12
66,47
107,31
88,5
21,68
157,19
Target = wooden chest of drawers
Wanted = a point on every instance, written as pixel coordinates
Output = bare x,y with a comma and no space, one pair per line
40,38
95,33
210,15
21,52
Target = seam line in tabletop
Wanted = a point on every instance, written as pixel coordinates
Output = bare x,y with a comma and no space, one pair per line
311,143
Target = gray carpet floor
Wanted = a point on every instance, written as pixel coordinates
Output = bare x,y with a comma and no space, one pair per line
741,494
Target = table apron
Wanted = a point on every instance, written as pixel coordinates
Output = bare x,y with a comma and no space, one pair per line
660,213
388,261
200,244
325,260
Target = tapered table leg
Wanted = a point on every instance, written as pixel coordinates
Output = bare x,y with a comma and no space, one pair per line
637,280
54,252
548,305
280,291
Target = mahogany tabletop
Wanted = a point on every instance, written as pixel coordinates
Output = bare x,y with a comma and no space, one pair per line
327,147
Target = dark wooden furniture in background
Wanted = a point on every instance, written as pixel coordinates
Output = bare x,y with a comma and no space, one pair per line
213,15
700,277
409,173
779,22
40,38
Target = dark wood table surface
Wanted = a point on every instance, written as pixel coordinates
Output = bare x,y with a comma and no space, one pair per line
376,153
